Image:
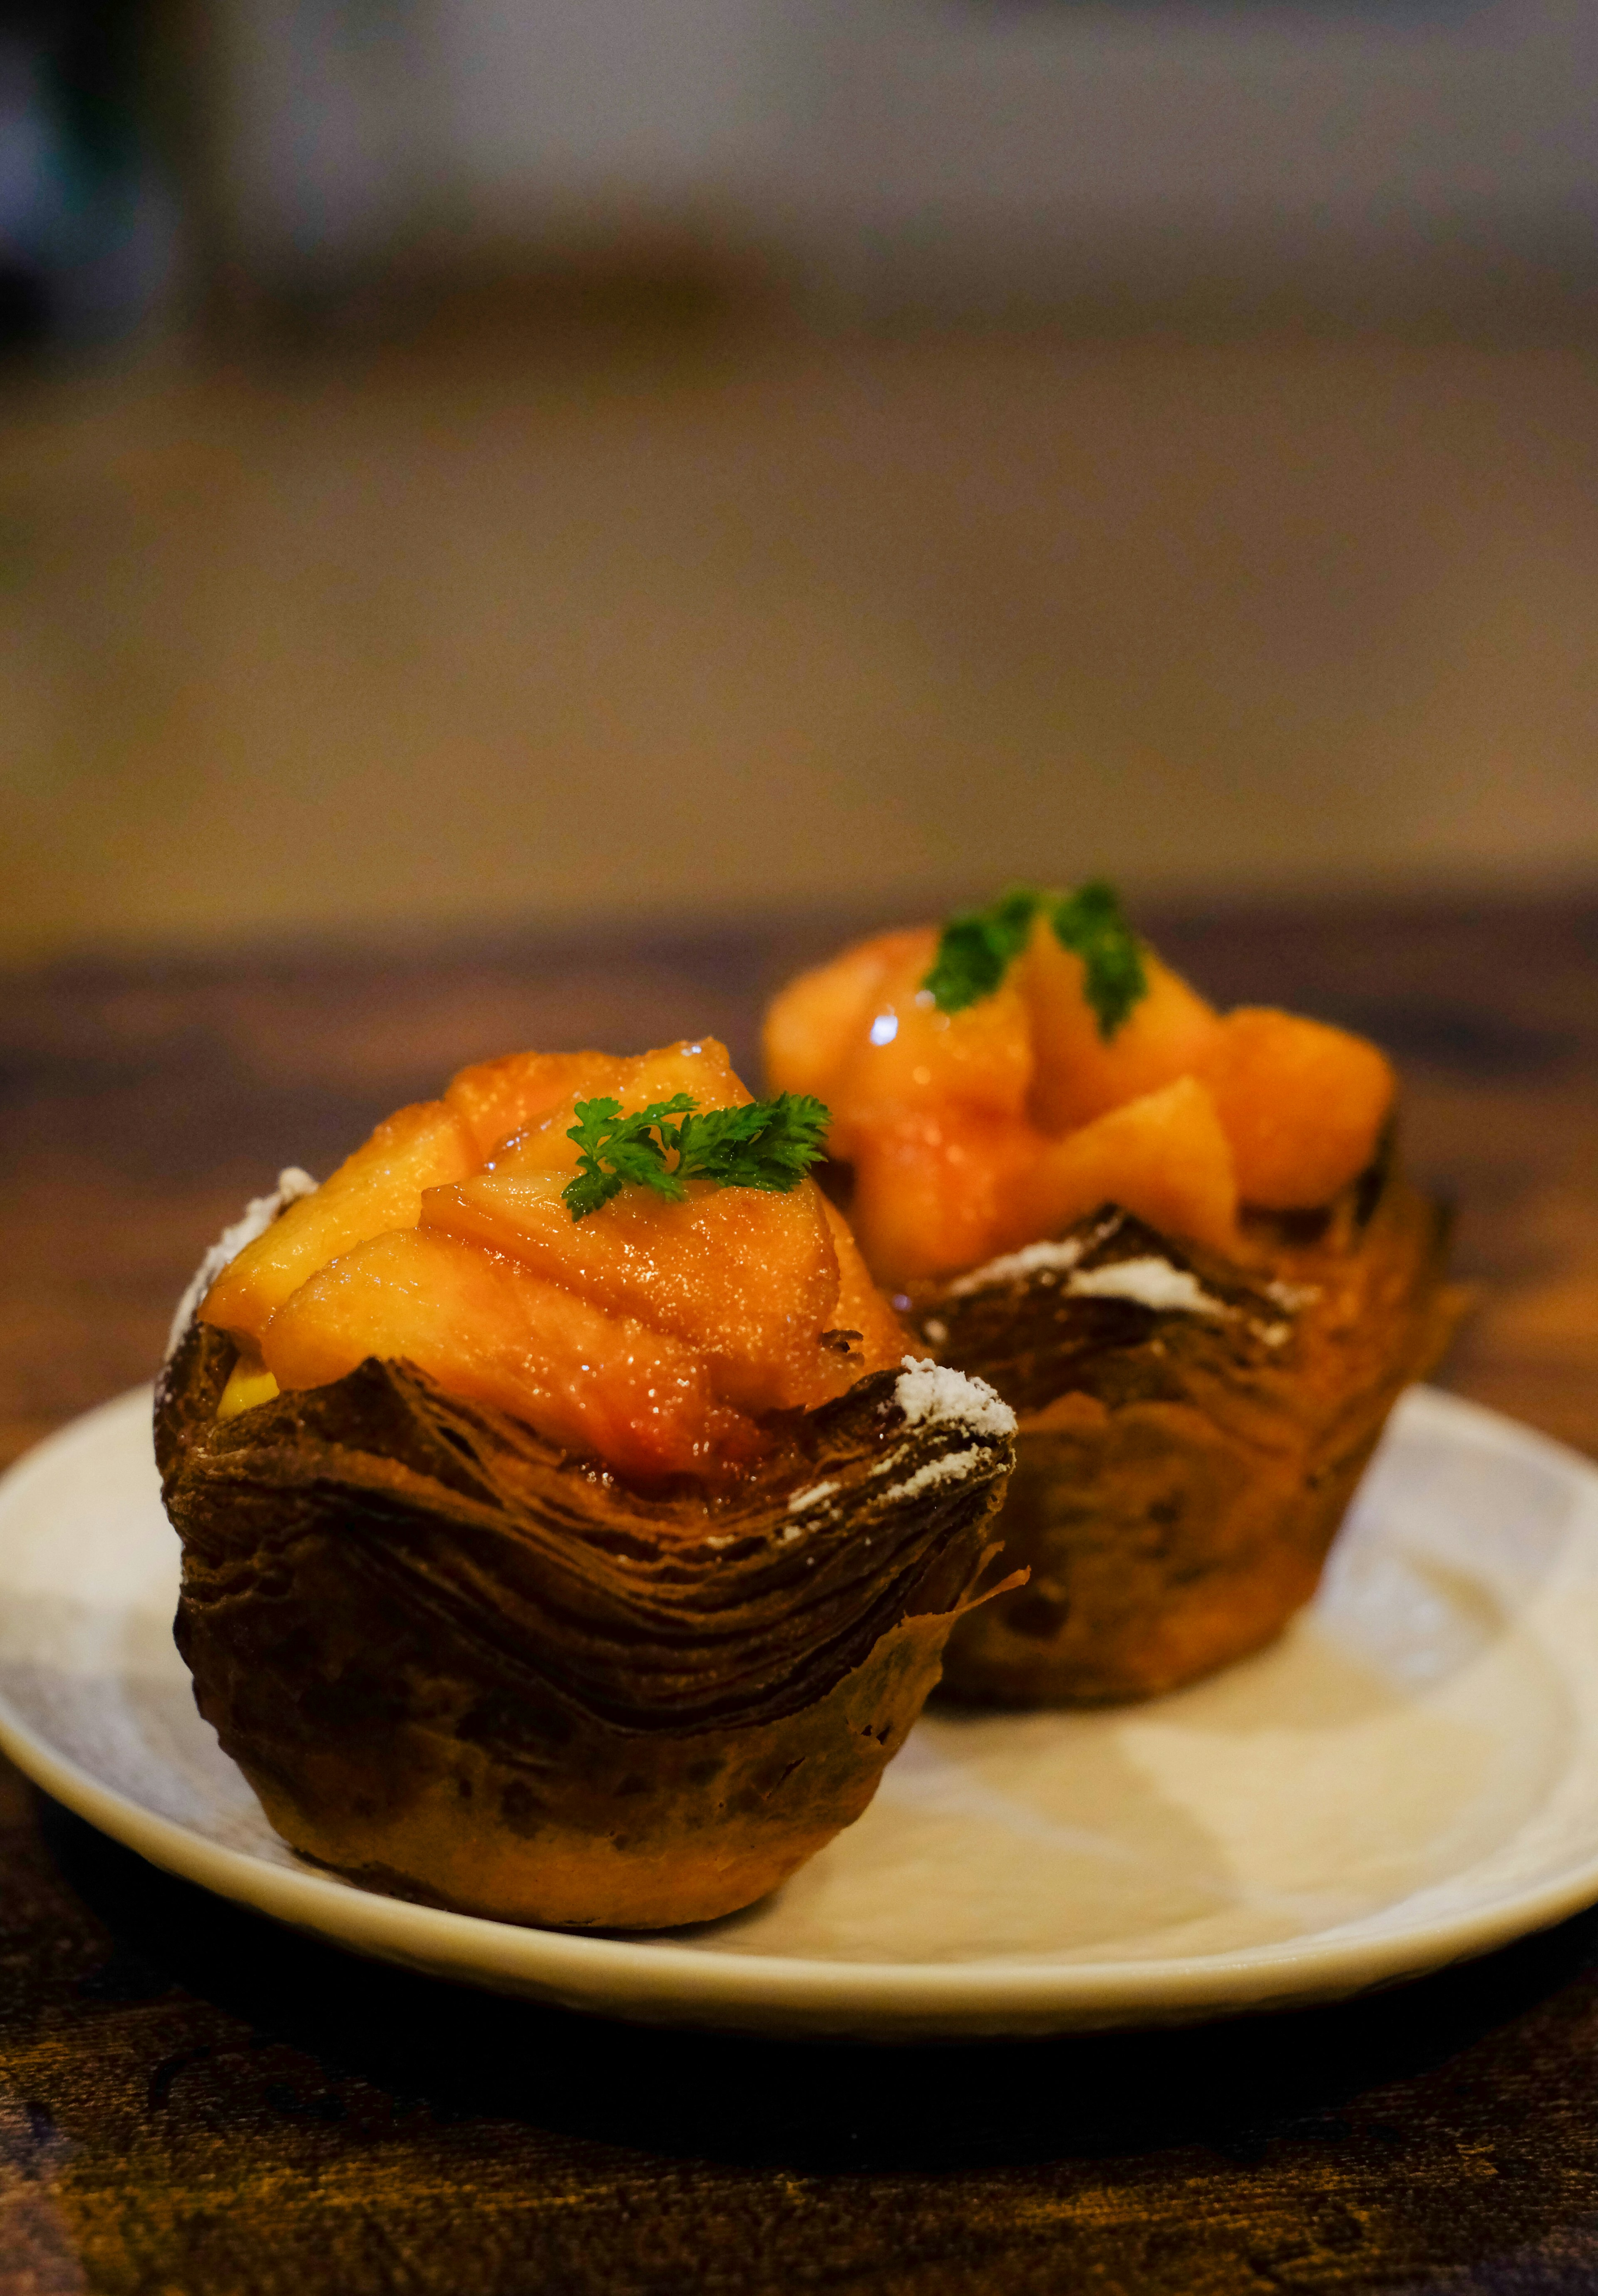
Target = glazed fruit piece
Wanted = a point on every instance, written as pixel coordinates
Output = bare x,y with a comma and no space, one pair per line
1302,1105
746,1280
585,1576
649,1337
970,1130
376,1190
1081,1073
1182,1251
491,1332
1166,1150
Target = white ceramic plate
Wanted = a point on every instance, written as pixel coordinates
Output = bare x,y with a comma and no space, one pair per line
1408,1777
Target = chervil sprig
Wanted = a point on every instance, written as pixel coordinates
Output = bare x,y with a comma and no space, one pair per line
976,950
769,1145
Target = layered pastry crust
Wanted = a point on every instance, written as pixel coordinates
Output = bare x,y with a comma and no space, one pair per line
1192,1430
462,1665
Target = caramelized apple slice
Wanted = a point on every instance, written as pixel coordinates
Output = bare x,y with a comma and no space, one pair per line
491,1331
932,1192
496,1098
1079,1074
1164,1156
816,1025
749,1279
1303,1104
701,1068
914,1062
377,1188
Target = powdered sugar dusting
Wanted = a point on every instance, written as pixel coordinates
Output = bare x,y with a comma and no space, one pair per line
1046,1259
812,1497
259,1215
947,1469
1152,1283
1015,1265
927,1390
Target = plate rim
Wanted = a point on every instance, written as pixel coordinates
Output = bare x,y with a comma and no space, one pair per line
648,1977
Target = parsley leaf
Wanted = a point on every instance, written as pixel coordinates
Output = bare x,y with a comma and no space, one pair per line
770,1145
976,950
1089,923
626,1144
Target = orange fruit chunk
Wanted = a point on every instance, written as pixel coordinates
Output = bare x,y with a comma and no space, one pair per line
1079,1074
699,1067
749,1280
496,1098
647,1334
983,1129
491,1331
377,1188
1303,1104
817,1024
752,1279
1164,1156
930,1190
914,1058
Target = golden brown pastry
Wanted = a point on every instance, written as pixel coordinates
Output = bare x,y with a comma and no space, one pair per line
1192,1430
584,1572
1177,1241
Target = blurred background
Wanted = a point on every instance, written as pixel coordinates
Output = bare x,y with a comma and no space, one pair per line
475,464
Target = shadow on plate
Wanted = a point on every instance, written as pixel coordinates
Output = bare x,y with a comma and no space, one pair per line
815,2107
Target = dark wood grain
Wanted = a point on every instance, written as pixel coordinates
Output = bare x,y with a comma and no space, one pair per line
193,2101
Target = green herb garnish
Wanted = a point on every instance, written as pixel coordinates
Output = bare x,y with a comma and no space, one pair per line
770,1144
1089,923
976,950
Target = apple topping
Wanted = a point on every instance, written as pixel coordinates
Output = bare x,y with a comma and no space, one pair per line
993,1084
653,1330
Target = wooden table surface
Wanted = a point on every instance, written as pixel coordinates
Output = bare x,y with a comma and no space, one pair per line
191,2100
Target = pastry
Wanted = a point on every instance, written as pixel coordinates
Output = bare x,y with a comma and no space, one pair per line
1180,1243
569,1535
